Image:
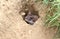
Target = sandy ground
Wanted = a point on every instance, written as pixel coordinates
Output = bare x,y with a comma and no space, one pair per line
12,26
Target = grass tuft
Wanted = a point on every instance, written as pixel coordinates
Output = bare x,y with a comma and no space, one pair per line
53,14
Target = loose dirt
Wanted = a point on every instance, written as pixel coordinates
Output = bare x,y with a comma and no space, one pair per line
12,25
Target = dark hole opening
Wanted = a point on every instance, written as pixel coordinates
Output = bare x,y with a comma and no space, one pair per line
30,17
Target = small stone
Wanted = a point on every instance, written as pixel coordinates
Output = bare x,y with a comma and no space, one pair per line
22,13
27,0
30,31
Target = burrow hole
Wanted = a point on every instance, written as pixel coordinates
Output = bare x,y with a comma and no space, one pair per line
30,15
